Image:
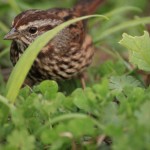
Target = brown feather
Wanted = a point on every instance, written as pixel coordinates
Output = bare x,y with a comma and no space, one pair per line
87,7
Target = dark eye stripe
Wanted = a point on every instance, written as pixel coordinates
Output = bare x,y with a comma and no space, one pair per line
45,28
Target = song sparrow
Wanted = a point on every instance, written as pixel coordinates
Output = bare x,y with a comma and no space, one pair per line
66,55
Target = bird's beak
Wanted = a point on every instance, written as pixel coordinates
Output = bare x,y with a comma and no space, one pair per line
12,34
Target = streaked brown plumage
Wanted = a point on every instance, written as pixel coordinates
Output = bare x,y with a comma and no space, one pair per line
65,56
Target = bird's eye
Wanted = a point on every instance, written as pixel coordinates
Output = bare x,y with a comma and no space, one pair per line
33,30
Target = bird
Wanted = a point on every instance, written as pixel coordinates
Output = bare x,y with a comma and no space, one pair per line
68,54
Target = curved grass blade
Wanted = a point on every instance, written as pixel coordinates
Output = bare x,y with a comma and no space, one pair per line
122,10
68,117
122,26
24,64
117,11
4,52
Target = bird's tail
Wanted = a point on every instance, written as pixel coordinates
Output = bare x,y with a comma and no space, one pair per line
87,7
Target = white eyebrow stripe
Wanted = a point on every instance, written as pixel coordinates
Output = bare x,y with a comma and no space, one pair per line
36,23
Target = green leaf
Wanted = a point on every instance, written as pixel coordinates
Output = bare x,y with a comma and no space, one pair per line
24,64
18,118
48,89
20,139
81,100
119,83
110,115
144,115
139,47
102,89
24,92
81,127
110,68
49,136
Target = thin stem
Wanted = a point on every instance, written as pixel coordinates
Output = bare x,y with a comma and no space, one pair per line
70,116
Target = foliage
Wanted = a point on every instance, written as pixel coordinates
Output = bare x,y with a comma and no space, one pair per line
112,112
44,117
139,50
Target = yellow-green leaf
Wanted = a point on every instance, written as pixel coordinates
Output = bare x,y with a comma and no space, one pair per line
139,47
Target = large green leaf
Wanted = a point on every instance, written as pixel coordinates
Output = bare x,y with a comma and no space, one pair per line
139,47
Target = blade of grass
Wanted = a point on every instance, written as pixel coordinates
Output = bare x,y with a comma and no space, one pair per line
14,6
5,102
74,115
122,26
116,11
6,108
3,27
122,10
4,52
24,64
